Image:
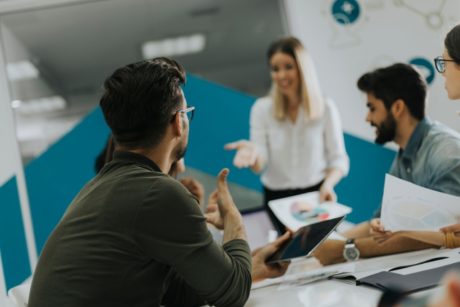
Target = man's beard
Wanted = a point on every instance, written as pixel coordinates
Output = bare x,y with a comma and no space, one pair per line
386,131
180,152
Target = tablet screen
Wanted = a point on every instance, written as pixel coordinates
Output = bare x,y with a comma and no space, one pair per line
305,240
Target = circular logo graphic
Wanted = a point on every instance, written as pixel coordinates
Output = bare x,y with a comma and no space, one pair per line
306,212
345,12
425,67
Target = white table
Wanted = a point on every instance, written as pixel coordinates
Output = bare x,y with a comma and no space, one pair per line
326,293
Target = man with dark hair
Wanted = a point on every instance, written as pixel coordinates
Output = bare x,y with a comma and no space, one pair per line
429,155
388,85
134,236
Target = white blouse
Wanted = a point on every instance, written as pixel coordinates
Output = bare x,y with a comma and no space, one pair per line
298,154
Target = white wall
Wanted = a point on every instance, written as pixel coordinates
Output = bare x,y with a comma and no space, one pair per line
2,279
384,32
10,164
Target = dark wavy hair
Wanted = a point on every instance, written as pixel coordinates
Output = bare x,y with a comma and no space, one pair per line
398,81
140,99
452,43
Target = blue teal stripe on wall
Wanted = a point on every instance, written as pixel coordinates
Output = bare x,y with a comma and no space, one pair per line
362,189
54,178
13,240
222,116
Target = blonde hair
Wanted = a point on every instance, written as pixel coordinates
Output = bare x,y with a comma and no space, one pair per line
310,91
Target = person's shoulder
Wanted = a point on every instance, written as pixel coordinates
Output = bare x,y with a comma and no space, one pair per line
443,141
167,197
440,134
264,103
330,109
329,104
170,187
262,108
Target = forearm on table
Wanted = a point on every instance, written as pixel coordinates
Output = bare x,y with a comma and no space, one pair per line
429,237
368,247
358,231
331,251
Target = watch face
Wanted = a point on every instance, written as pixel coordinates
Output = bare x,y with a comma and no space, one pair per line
351,253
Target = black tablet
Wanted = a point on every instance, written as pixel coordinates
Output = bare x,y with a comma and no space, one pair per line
304,241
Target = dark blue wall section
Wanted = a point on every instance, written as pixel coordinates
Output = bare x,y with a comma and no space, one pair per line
221,116
362,189
54,178
12,238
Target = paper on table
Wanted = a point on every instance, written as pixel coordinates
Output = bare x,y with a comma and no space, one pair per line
300,271
407,206
305,209
411,261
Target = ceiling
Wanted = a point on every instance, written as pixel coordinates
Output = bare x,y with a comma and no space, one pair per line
76,46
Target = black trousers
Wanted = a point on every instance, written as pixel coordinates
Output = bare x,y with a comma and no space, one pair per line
277,194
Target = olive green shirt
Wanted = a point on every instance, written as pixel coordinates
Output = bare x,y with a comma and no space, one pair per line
134,236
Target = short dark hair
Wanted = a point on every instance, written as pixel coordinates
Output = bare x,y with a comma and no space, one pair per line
452,43
398,81
140,99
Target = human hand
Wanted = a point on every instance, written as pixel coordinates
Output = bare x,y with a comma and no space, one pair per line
378,232
222,210
194,187
450,297
212,211
326,193
451,228
262,270
246,153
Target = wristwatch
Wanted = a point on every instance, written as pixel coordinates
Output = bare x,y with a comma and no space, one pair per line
350,251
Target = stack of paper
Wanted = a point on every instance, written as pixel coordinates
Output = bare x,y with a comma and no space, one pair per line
407,206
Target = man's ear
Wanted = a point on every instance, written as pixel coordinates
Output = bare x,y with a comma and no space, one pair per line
398,108
178,124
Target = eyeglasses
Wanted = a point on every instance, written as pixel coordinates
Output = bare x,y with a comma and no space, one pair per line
440,64
190,111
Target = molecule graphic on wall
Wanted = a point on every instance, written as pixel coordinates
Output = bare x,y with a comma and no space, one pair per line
432,15
346,12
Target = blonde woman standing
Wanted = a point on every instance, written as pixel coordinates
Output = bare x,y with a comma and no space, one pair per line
296,139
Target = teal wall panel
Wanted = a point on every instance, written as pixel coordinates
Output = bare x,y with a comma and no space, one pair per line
221,116
54,178
362,189
12,237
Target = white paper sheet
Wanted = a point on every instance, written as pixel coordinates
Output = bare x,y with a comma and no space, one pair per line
407,206
305,209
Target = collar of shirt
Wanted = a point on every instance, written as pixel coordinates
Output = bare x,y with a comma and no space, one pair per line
415,141
131,157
